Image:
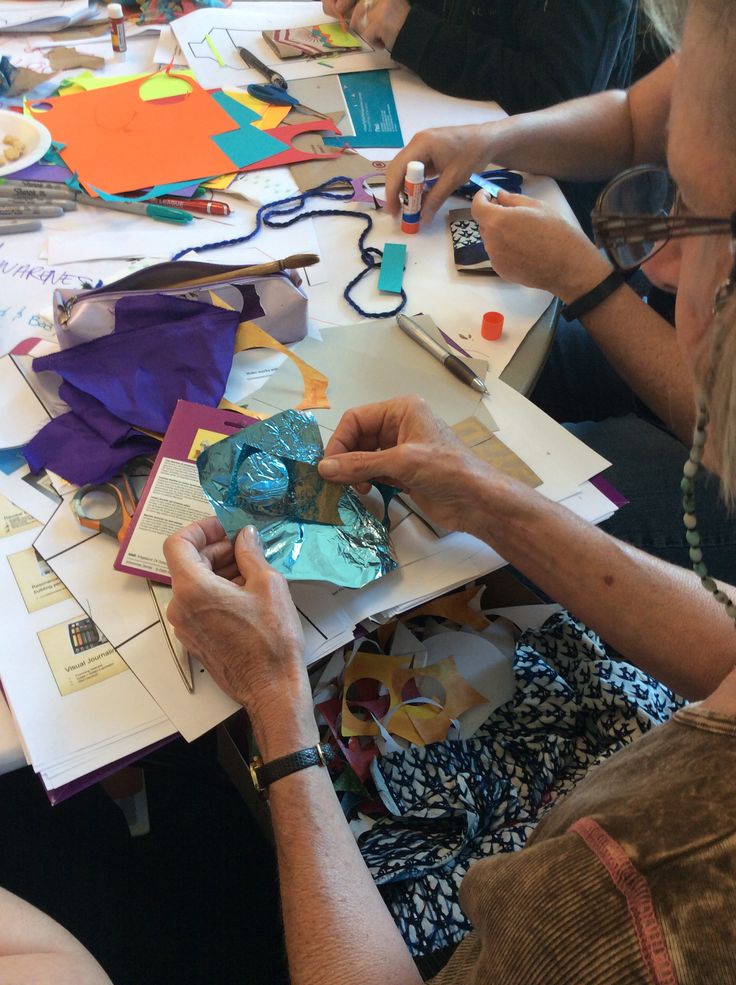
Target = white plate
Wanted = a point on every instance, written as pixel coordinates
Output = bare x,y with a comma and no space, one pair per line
34,135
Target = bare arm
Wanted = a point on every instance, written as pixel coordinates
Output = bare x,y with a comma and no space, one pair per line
655,614
583,139
337,926
34,948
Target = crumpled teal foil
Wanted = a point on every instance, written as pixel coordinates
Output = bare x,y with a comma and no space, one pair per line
312,530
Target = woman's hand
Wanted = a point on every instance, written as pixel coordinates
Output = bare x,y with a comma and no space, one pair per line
401,442
529,243
234,612
450,153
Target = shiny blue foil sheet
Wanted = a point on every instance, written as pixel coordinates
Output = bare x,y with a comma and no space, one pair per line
312,530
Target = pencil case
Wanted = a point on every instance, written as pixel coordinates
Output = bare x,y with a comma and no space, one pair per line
268,294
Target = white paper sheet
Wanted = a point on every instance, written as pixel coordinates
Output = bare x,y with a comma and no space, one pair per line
241,26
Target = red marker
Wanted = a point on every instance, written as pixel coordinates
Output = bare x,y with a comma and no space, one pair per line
411,198
206,205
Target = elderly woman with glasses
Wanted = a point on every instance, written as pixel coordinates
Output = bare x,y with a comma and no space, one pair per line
615,376
627,878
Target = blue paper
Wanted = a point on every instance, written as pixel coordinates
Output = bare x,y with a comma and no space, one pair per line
248,145
312,530
372,108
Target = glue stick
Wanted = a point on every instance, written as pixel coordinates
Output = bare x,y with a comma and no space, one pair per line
117,29
411,199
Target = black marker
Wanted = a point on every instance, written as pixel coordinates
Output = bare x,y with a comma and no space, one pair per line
268,73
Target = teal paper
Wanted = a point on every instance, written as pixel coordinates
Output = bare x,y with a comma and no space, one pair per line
266,475
393,263
372,108
248,145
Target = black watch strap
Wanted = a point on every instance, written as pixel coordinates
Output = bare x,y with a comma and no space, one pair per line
586,302
263,775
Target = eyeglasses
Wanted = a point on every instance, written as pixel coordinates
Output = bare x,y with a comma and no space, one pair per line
640,210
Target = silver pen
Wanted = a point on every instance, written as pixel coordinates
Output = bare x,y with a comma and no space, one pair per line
456,366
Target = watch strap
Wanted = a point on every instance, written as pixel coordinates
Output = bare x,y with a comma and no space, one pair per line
586,302
264,774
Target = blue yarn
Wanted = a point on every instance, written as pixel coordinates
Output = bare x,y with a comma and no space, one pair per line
266,214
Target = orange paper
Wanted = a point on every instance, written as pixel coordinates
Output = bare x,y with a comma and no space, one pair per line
116,141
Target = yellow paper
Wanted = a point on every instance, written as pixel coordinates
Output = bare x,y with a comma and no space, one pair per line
251,336
492,450
160,86
339,38
455,607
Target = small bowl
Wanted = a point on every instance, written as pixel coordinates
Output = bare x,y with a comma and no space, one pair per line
34,135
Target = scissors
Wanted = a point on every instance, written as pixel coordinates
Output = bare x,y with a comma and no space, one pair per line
279,97
125,490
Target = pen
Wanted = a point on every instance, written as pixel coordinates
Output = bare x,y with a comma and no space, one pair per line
268,73
16,210
59,189
456,366
160,212
20,227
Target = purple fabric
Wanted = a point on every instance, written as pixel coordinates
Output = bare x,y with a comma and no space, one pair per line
73,448
163,349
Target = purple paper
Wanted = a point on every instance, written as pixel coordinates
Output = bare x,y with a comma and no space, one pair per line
163,349
42,172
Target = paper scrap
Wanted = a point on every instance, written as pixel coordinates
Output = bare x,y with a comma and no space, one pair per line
489,447
251,336
393,263
61,59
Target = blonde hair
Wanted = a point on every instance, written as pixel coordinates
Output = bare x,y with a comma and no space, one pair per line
667,18
720,397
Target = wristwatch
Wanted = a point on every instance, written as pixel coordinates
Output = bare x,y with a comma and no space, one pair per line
264,775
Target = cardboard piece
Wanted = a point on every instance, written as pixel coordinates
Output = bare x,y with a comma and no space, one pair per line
61,59
487,446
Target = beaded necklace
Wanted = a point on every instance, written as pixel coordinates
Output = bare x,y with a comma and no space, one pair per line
687,485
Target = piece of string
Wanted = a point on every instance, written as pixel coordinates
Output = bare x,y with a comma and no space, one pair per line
268,213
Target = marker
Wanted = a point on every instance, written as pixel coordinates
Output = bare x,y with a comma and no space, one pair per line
411,198
456,366
59,189
207,205
16,210
160,212
268,73
117,30
31,226
27,196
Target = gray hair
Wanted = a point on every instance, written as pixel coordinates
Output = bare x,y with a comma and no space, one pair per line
667,18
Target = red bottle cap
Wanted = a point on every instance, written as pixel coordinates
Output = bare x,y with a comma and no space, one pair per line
492,326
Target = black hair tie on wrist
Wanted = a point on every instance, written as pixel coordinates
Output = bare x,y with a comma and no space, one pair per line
586,302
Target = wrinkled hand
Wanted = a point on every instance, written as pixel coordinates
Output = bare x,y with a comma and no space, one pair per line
450,153
234,612
530,243
402,443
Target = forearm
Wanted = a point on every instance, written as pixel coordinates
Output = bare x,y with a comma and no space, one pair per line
34,948
642,348
336,924
591,138
656,615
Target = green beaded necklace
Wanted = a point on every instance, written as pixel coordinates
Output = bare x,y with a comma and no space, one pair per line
687,485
